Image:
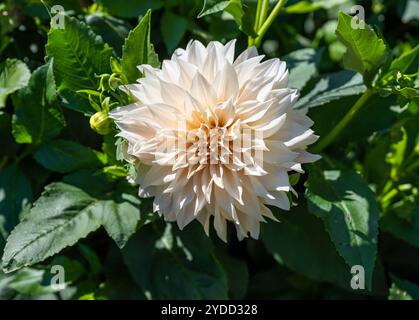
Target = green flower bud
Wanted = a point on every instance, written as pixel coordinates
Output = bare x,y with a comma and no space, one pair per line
101,123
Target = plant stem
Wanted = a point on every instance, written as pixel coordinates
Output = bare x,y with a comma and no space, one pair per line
323,143
257,18
263,13
251,40
267,23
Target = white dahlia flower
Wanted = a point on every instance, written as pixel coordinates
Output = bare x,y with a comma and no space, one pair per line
215,136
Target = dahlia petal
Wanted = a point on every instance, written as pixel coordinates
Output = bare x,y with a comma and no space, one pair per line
226,83
197,53
246,55
203,92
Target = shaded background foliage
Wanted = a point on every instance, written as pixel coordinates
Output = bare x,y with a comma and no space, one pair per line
360,207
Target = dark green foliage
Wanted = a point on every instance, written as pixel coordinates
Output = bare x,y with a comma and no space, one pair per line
65,199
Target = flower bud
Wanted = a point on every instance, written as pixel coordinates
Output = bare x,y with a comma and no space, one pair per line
100,123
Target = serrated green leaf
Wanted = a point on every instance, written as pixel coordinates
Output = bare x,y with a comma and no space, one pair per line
122,223
333,87
60,217
79,55
403,290
409,93
174,264
300,242
66,156
302,65
213,6
37,116
112,30
138,50
240,12
89,179
348,208
403,62
15,196
14,75
366,52
63,215
173,28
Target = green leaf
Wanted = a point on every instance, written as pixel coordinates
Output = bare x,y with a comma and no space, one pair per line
130,8
63,215
78,55
239,11
365,121
37,117
8,146
273,283
15,196
407,231
173,264
302,7
173,28
112,30
366,52
213,6
119,284
403,290
302,65
122,218
14,75
94,264
90,179
60,217
74,269
4,42
66,156
237,273
409,93
397,150
28,281
300,242
403,62
333,87
348,208
138,50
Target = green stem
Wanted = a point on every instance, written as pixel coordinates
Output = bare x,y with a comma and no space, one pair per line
388,196
251,40
267,23
323,143
257,18
263,13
